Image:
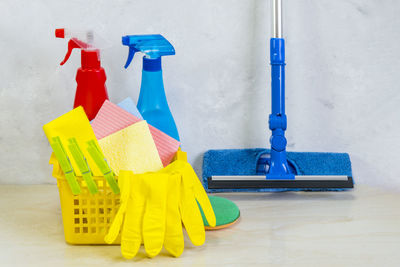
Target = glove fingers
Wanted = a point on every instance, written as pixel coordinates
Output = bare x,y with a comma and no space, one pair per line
174,242
191,216
131,237
154,216
200,195
124,183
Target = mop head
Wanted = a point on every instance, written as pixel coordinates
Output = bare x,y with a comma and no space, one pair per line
244,162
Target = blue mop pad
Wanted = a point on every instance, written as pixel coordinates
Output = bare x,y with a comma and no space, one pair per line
244,162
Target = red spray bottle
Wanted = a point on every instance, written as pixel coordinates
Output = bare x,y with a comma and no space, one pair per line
91,91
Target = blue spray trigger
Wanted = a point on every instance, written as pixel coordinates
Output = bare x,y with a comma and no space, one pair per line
152,45
132,51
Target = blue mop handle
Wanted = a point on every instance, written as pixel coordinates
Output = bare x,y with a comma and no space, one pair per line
277,54
277,118
278,168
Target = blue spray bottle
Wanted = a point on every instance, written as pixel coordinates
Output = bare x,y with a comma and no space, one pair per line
152,104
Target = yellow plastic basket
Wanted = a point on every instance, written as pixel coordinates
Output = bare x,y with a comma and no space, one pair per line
87,217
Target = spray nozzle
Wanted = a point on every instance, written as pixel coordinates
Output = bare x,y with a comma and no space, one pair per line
73,43
84,40
152,45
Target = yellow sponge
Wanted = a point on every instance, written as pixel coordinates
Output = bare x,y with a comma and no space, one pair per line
132,149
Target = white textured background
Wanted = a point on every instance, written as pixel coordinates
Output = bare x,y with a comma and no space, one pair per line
343,75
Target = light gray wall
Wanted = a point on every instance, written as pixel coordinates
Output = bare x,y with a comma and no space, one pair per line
342,76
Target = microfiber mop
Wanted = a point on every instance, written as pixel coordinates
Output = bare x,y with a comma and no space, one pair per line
275,169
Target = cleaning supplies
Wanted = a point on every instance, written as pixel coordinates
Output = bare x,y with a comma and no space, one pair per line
152,104
91,91
131,148
112,118
275,169
153,207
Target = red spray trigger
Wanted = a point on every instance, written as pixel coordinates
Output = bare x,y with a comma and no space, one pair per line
73,43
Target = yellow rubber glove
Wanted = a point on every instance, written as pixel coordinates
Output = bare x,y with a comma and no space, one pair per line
154,215
124,182
144,213
174,241
155,207
191,195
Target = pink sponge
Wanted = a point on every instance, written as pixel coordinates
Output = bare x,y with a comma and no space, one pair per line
112,118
